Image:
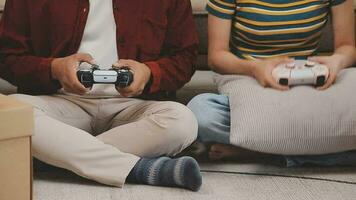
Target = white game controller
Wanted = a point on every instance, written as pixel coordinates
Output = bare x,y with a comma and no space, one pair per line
301,72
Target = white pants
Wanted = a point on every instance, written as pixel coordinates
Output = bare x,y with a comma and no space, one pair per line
102,139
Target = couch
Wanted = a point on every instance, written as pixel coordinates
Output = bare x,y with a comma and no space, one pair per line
202,81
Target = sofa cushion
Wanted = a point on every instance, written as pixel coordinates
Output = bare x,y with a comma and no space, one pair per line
199,6
6,87
202,28
201,82
300,121
2,4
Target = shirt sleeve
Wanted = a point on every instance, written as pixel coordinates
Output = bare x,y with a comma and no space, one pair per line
224,9
18,63
336,2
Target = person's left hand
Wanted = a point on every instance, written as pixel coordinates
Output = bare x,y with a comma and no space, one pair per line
141,74
333,62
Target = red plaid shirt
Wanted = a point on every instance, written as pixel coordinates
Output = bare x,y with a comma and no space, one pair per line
159,33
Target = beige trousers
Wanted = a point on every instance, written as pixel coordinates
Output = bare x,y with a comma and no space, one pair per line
102,139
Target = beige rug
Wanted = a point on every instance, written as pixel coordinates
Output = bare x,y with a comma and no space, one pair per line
270,183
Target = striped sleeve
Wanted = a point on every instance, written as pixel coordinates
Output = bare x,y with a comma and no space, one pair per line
336,2
224,9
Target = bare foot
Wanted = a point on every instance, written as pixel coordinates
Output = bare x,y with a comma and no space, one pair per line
197,150
229,152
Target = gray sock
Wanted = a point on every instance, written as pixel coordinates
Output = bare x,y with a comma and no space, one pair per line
163,171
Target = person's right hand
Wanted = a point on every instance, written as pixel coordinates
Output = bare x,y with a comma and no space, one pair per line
263,72
65,71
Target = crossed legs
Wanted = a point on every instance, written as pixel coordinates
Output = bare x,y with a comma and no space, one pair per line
103,139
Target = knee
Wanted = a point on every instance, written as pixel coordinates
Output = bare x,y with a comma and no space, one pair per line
179,126
198,103
202,107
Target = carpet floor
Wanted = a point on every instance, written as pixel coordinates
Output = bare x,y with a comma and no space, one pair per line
224,180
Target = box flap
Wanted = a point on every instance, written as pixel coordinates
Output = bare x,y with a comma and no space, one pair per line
16,118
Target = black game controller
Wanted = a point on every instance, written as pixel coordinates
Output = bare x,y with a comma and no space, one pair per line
121,77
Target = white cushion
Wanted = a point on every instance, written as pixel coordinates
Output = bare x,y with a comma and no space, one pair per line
300,121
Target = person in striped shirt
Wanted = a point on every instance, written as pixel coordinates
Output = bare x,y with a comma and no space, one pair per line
251,37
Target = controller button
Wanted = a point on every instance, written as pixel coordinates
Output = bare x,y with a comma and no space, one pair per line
310,63
283,81
290,65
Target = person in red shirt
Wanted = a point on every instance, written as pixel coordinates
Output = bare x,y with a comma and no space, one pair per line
105,133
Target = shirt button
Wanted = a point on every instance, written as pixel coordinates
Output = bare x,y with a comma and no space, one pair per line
84,10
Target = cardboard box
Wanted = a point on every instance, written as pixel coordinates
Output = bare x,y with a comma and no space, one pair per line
16,128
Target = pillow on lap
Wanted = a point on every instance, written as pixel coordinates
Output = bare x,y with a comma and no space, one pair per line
301,121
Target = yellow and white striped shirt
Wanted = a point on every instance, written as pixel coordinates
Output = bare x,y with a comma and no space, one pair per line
269,28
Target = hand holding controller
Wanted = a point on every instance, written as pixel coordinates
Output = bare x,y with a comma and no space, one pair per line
121,77
301,72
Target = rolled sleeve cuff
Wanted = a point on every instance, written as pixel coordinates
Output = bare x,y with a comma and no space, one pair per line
224,9
156,76
45,75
